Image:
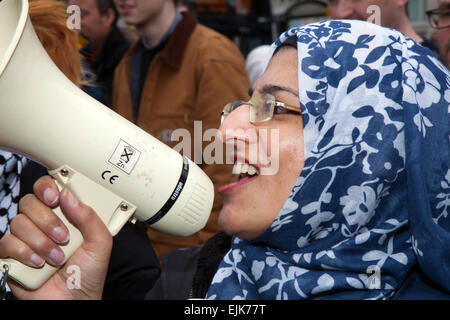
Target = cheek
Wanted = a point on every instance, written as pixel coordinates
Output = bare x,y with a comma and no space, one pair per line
443,36
360,10
88,22
275,141
291,148
291,162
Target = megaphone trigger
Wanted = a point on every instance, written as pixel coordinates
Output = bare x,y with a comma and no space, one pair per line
112,210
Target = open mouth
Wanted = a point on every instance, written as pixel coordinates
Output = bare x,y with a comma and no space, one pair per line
125,9
245,172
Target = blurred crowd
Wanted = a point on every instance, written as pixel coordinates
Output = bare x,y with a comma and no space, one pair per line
114,36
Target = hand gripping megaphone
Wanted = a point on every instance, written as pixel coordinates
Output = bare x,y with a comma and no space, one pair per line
119,170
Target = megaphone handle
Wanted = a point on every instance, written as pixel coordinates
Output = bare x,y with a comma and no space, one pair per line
113,211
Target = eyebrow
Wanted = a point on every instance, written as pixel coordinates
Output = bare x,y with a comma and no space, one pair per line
271,89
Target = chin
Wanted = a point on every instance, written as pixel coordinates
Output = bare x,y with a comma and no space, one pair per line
230,221
130,22
226,220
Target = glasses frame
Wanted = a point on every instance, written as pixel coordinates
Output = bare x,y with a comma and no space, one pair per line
435,23
274,105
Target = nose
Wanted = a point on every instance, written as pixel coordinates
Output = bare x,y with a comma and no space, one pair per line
341,9
235,124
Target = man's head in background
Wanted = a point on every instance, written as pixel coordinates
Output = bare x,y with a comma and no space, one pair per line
97,19
390,10
440,20
392,13
142,13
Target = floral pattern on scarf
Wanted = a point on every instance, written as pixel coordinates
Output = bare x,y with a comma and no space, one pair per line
373,197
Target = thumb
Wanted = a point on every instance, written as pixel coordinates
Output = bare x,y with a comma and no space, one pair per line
95,233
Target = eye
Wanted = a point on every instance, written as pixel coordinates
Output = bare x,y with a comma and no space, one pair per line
281,110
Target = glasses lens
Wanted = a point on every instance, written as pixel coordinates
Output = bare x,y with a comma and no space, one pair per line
261,108
229,107
434,20
444,19
439,18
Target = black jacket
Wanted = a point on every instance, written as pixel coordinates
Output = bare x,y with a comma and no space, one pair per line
107,59
187,273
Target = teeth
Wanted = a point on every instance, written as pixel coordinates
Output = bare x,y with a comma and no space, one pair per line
244,168
251,170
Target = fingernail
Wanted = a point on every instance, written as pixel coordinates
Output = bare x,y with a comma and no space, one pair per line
50,196
73,202
56,256
60,235
37,260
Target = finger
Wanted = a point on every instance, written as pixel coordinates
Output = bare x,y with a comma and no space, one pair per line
47,191
25,230
44,218
12,247
95,234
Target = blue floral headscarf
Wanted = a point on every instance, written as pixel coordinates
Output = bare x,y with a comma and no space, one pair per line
373,197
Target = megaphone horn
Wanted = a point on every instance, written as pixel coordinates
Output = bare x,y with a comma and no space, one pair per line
113,166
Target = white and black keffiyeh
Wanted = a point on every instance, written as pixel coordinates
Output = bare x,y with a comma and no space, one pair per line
10,168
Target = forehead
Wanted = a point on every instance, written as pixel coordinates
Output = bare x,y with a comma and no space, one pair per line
84,4
362,4
444,3
282,70
353,3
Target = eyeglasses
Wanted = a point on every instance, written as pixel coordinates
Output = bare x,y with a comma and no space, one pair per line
262,108
439,18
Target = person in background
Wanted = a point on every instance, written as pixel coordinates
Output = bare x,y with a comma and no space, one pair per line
440,19
106,44
19,174
256,61
178,74
393,14
183,5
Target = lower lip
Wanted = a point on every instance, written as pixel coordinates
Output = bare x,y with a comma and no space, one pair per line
231,186
125,11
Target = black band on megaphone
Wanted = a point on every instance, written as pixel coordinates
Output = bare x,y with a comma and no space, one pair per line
175,194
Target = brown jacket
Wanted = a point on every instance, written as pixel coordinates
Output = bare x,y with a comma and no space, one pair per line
191,79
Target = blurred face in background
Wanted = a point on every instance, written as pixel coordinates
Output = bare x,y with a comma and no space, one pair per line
94,25
443,35
140,12
357,10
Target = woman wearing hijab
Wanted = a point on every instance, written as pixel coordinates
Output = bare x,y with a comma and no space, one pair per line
358,208
372,196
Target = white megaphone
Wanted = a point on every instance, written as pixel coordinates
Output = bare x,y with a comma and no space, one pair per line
119,170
